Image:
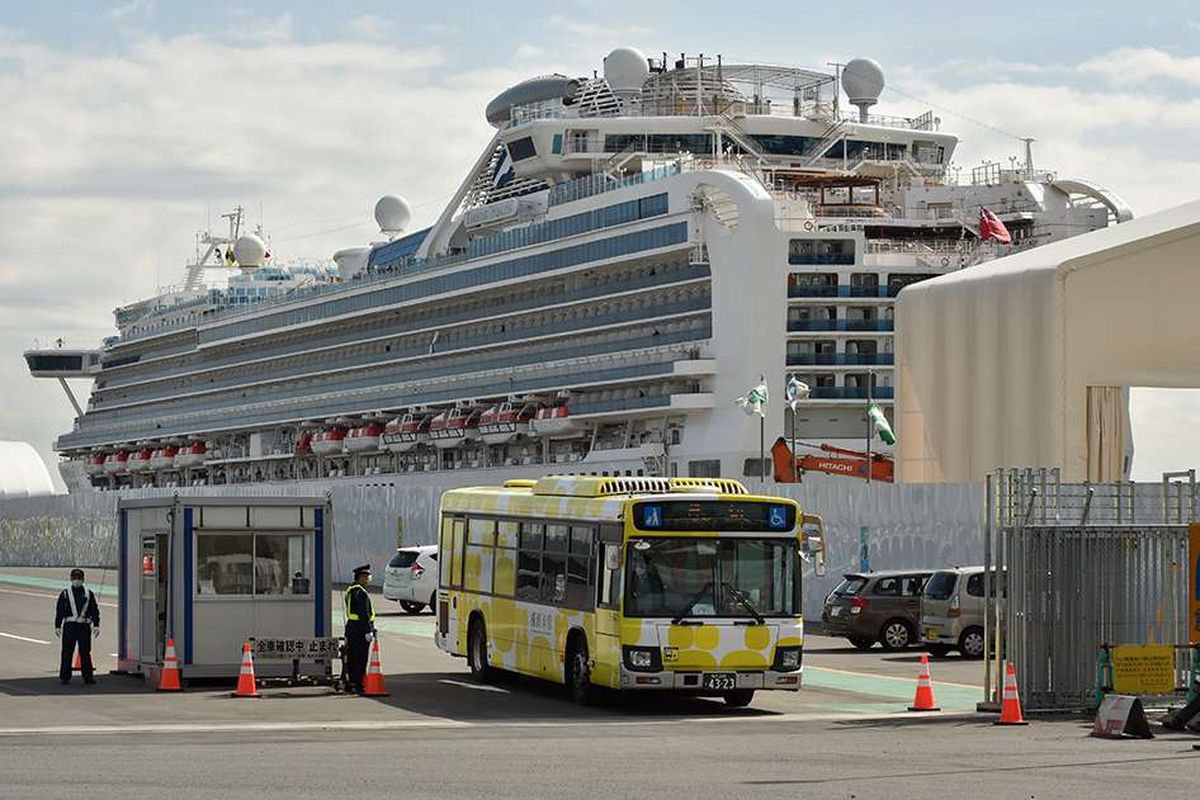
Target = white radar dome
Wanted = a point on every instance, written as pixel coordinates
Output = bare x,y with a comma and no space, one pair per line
626,70
392,213
249,251
862,79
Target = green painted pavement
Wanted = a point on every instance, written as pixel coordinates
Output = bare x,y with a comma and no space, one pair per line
902,690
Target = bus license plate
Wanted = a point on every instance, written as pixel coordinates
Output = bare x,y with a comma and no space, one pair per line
721,681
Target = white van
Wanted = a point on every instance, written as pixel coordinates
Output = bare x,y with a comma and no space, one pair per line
411,578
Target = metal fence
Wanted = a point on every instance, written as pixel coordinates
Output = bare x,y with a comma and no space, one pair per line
1082,565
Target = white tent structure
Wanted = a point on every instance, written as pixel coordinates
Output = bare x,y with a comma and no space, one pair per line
1026,361
22,471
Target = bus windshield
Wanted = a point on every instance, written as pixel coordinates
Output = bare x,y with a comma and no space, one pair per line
713,575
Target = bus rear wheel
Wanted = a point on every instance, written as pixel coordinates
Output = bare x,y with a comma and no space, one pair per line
739,698
477,651
579,673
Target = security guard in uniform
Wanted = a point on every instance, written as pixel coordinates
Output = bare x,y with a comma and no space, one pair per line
76,622
360,627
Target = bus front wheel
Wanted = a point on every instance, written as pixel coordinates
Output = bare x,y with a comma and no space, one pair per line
477,651
739,698
579,673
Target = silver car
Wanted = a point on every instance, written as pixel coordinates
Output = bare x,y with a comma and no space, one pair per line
952,611
411,578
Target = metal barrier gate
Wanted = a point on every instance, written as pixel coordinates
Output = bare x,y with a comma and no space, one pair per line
1082,565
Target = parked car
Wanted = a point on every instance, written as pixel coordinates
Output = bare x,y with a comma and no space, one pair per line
869,607
952,611
411,578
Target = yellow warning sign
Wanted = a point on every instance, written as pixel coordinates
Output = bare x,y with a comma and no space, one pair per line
1143,668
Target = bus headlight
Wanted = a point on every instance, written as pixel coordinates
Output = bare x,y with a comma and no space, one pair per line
642,659
787,659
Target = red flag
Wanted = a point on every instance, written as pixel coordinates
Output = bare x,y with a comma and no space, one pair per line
990,227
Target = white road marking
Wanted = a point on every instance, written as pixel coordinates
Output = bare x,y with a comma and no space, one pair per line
234,727
23,638
449,724
478,686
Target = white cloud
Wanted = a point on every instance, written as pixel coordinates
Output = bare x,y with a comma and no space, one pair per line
138,8
253,29
370,26
1139,65
596,33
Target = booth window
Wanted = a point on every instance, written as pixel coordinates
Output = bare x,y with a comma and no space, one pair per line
280,564
252,563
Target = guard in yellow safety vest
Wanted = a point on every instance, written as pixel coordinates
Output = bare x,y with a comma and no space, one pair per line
360,627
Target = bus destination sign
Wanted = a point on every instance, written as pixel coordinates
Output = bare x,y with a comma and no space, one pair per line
714,515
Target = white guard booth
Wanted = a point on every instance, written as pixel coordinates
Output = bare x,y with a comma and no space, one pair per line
213,572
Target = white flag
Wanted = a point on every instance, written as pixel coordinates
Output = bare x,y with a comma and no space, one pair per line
755,400
796,391
875,413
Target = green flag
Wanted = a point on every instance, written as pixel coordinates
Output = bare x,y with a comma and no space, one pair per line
881,424
755,400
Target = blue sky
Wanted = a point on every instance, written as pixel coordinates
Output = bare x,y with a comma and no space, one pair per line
129,122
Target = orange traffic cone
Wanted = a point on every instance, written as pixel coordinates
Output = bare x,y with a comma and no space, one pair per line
373,685
77,665
169,679
924,698
245,685
1010,703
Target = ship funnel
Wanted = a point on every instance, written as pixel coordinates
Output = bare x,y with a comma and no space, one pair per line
862,79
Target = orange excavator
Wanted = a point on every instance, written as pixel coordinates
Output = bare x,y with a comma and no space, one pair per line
790,468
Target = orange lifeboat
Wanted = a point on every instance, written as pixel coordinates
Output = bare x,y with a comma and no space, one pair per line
453,427
329,441
406,432
116,462
94,465
504,422
364,438
164,458
555,422
192,455
139,461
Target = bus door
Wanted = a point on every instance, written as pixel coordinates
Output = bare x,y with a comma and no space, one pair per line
451,558
609,565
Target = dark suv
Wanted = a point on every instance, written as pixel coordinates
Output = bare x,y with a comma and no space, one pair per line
869,607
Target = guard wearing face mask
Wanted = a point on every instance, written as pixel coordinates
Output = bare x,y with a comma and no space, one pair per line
76,622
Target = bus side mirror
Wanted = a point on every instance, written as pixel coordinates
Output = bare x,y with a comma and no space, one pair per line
812,529
612,557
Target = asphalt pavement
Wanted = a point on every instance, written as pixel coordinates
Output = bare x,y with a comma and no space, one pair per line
440,734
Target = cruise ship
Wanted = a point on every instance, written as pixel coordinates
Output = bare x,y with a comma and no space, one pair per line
629,253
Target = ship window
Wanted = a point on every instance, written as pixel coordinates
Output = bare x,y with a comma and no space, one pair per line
784,145
556,147
521,149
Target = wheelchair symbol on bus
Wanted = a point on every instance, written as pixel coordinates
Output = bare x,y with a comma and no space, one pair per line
778,517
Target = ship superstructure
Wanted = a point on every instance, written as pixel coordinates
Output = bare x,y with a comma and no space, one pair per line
627,254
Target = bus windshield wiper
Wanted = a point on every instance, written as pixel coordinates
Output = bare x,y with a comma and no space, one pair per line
688,608
741,598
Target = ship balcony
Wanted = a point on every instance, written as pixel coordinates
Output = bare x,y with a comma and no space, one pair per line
882,393
842,325
842,291
841,359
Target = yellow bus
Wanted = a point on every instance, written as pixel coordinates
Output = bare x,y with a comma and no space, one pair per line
683,584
